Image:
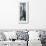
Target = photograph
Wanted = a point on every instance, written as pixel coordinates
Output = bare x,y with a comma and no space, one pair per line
24,12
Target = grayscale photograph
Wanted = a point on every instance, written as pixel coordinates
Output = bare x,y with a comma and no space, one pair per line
22,22
22,11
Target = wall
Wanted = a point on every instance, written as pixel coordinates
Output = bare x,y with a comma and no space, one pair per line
9,15
38,18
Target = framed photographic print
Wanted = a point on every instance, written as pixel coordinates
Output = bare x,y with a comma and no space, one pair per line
24,12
